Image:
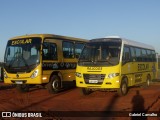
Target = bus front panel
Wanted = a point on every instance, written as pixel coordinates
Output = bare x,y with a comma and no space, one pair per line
22,61
98,77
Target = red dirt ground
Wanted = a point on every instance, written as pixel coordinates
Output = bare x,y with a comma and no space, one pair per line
38,99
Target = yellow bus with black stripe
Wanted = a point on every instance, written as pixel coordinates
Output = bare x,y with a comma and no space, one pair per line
115,63
44,59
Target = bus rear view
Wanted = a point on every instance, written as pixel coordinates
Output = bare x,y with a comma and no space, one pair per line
99,65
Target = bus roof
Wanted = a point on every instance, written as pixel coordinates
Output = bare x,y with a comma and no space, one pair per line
48,36
137,44
126,41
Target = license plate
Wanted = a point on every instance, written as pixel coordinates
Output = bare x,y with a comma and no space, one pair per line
93,81
19,82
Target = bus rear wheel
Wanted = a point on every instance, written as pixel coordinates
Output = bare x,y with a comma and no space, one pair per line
54,86
148,80
147,83
122,91
23,88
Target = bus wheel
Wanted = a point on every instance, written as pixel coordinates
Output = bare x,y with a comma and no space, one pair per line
54,85
86,91
23,88
148,81
123,89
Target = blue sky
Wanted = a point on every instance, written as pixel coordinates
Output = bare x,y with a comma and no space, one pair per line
137,20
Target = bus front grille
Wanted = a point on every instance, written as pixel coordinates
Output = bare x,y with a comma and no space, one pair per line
93,78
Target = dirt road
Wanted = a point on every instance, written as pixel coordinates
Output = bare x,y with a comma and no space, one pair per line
75,105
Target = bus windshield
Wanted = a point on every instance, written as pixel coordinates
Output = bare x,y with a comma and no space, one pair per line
100,54
22,55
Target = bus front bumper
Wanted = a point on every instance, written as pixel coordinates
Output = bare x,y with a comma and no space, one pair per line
36,80
113,83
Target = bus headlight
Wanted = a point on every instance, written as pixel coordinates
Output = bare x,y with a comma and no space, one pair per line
111,75
5,75
78,74
35,74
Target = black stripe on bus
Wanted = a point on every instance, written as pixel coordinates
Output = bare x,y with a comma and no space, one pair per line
136,72
59,65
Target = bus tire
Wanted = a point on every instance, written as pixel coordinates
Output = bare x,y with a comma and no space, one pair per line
148,81
23,88
122,91
85,91
54,86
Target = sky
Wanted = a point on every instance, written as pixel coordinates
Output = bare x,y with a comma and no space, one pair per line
137,20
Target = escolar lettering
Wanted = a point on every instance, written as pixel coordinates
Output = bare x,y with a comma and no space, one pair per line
22,41
143,67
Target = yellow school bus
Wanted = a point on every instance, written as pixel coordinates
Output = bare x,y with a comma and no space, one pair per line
43,59
115,63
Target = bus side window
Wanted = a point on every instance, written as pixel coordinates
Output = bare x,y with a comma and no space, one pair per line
126,55
133,55
153,56
49,51
144,55
78,49
138,55
68,49
149,56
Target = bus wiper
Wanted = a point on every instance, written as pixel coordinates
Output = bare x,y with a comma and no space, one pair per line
109,62
11,62
26,64
18,59
13,59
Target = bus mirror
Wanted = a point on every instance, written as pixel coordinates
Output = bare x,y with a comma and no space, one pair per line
9,51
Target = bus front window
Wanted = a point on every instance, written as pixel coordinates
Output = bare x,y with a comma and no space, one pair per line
22,55
100,54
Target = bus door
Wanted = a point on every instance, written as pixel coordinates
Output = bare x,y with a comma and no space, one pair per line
50,57
69,60
128,65
133,66
138,62
71,51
